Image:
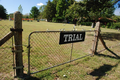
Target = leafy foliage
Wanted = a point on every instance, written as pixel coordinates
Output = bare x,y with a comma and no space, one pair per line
49,11
61,9
117,18
76,11
97,5
116,25
85,10
41,9
20,9
3,13
34,12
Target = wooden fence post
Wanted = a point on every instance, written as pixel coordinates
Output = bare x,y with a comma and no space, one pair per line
97,32
18,43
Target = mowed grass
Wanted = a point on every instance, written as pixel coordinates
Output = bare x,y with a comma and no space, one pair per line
104,66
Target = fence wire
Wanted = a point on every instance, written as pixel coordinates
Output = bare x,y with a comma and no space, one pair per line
46,53
6,56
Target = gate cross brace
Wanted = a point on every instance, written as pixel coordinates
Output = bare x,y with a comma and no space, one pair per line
17,50
13,29
18,67
102,41
6,38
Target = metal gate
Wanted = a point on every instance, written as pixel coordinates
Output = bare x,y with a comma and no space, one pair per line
6,55
44,51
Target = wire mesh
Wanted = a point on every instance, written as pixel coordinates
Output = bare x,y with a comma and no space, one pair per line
4,29
45,51
6,55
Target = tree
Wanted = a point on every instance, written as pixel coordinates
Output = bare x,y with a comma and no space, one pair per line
86,11
49,11
109,12
117,18
34,12
3,14
61,10
20,9
96,8
70,2
54,6
76,10
41,10
55,2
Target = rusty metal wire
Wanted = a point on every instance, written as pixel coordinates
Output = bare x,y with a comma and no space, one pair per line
45,52
6,55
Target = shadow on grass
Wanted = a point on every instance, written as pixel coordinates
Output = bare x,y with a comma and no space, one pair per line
110,36
27,77
117,57
101,71
42,76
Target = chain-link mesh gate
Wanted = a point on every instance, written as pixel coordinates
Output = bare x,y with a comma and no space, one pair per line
45,52
6,55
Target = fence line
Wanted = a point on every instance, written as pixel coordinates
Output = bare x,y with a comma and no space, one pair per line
44,49
6,55
17,50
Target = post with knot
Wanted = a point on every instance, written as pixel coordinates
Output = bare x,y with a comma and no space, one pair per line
18,49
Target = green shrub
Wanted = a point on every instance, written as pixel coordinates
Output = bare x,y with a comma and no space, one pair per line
54,20
103,26
82,23
116,25
109,25
88,23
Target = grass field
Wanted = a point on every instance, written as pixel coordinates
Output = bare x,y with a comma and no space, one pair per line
104,66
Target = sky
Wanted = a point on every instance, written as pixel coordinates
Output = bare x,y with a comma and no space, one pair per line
12,5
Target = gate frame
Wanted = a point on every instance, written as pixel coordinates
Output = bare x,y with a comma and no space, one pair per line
93,51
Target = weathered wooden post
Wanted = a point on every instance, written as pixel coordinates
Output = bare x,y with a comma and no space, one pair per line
97,31
18,43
